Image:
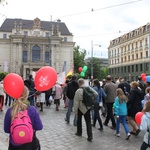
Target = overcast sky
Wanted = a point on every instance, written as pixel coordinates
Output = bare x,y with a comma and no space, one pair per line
108,20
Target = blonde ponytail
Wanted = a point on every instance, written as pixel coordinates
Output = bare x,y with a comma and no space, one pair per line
20,104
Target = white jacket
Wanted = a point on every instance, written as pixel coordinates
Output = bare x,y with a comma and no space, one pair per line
145,124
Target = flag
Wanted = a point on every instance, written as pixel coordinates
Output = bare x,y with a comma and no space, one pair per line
64,67
70,73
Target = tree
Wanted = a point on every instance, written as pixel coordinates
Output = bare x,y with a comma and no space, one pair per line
2,75
79,56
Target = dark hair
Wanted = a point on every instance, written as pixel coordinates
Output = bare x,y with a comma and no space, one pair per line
30,76
108,78
74,77
96,82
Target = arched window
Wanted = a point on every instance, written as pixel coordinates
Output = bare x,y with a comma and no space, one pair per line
36,53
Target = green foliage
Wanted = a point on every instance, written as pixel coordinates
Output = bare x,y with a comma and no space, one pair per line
79,56
2,75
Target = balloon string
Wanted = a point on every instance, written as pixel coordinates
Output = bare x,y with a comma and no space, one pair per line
32,94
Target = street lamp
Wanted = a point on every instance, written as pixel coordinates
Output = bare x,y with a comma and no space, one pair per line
92,57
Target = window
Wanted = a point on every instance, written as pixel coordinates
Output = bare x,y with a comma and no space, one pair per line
132,46
36,53
136,68
141,54
25,33
25,56
125,68
146,53
128,57
136,56
65,39
132,57
132,68
47,34
128,68
125,59
146,41
141,67
4,36
140,43
129,47
136,44
46,57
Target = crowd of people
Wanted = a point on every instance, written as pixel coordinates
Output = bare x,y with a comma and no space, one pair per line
118,101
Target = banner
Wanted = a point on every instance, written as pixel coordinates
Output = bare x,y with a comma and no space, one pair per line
61,78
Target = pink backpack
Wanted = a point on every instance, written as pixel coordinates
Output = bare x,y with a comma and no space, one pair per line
21,128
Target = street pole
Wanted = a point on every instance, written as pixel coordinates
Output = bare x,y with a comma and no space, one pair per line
91,60
50,50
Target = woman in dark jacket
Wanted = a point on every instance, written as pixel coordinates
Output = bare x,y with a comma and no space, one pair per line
134,106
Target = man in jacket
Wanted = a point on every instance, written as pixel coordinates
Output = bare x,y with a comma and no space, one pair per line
72,86
110,90
81,109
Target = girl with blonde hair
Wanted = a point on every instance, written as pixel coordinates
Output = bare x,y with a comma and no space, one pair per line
120,110
18,105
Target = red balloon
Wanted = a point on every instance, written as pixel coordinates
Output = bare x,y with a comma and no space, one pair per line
80,69
138,117
45,78
143,75
144,78
13,85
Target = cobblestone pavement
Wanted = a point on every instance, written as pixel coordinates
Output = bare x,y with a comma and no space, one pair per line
57,135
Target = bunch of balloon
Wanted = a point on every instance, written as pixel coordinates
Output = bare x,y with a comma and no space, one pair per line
143,75
82,74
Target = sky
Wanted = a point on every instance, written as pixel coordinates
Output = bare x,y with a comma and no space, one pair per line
93,23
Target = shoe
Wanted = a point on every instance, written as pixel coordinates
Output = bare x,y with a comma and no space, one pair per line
128,136
133,133
77,134
93,125
90,139
113,128
105,124
117,134
137,132
41,110
100,129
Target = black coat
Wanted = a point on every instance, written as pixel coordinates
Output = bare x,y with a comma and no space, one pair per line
134,104
72,86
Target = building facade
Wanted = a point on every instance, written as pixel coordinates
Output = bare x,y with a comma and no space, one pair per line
28,45
129,54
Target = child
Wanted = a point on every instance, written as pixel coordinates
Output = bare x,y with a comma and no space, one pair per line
120,110
145,125
147,96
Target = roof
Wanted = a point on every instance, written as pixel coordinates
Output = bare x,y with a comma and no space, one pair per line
8,24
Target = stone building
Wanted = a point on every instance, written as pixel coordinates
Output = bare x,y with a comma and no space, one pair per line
129,54
27,45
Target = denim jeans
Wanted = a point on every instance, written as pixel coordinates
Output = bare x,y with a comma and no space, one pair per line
121,119
70,106
31,98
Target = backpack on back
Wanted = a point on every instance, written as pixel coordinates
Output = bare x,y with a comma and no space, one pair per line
88,96
21,128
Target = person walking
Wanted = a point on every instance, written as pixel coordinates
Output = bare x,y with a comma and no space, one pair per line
98,99
2,94
110,90
72,86
134,106
120,111
23,104
58,95
82,110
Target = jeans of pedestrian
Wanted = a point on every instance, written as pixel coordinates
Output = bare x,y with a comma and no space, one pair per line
121,119
97,116
144,146
31,98
87,118
70,106
110,115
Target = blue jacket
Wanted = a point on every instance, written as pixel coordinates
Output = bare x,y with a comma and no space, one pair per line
120,108
101,94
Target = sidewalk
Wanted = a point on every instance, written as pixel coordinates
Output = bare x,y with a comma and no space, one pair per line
57,135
